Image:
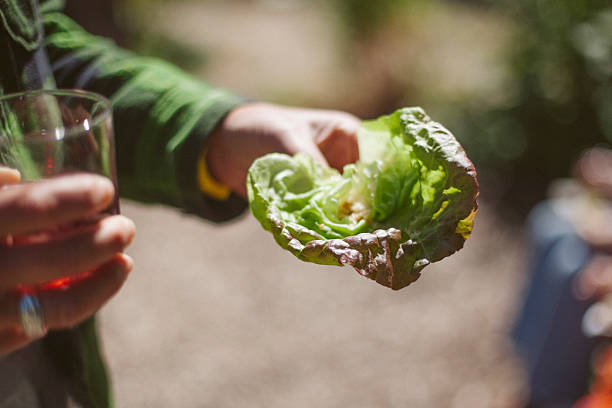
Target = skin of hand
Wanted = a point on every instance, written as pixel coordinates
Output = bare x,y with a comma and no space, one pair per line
50,230
594,171
42,240
595,279
252,130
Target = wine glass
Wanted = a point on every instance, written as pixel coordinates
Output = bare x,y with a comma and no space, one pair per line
47,133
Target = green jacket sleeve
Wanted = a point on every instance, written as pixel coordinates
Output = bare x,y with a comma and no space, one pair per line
162,116
162,120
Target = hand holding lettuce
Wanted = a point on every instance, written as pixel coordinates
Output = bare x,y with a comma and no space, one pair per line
410,200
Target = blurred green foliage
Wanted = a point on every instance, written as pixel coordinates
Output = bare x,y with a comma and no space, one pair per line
556,97
362,17
561,97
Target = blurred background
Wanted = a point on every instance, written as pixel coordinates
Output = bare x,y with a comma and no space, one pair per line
224,318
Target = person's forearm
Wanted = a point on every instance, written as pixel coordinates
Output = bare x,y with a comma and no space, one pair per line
162,116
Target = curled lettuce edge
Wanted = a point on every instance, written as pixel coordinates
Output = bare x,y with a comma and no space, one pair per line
381,255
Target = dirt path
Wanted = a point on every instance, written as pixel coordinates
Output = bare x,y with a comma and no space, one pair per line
221,317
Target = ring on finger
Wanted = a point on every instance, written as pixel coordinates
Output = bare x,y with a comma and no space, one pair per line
31,315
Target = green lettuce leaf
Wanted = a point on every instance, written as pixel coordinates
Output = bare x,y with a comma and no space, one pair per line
410,200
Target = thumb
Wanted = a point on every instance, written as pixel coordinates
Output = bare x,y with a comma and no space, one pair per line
9,176
304,143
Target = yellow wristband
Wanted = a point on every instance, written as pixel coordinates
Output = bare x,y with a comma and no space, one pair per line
208,185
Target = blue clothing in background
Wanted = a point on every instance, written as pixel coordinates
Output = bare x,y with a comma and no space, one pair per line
548,330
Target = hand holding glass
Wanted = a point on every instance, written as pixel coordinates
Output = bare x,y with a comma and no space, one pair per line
57,175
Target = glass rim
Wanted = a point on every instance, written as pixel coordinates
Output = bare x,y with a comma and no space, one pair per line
76,129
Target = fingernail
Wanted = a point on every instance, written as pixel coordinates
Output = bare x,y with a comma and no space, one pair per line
9,176
116,230
103,191
128,262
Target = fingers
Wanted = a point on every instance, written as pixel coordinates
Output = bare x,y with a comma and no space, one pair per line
64,307
253,130
70,254
9,176
30,207
595,280
300,142
335,134
594,168
338,143
67,307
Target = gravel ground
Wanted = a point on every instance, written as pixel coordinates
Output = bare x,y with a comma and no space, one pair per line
219,316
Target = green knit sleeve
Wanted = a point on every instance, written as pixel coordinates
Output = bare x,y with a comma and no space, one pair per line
162,116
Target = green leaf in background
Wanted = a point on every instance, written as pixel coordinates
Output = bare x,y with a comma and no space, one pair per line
410,200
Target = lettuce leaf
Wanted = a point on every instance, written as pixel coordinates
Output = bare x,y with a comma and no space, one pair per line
410,200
